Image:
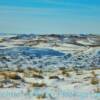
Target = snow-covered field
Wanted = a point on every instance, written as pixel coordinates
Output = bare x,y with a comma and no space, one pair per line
50,67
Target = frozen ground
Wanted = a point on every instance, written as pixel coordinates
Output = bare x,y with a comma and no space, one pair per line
50,67
53,85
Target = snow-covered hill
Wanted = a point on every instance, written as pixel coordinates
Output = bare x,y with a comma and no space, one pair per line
45,51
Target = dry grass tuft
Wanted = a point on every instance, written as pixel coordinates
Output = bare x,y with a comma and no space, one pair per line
42,96
54,77
97,90
94,79
64,71
39,85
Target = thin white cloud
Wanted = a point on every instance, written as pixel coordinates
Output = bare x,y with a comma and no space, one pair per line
48,11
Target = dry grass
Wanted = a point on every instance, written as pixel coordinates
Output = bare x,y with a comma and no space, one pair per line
39,85
32,72
10,75
94,79
38,76
1,85
64,72
42,96
54,77
97,90
93,73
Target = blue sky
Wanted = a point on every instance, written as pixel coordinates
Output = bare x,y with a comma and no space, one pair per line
50,16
